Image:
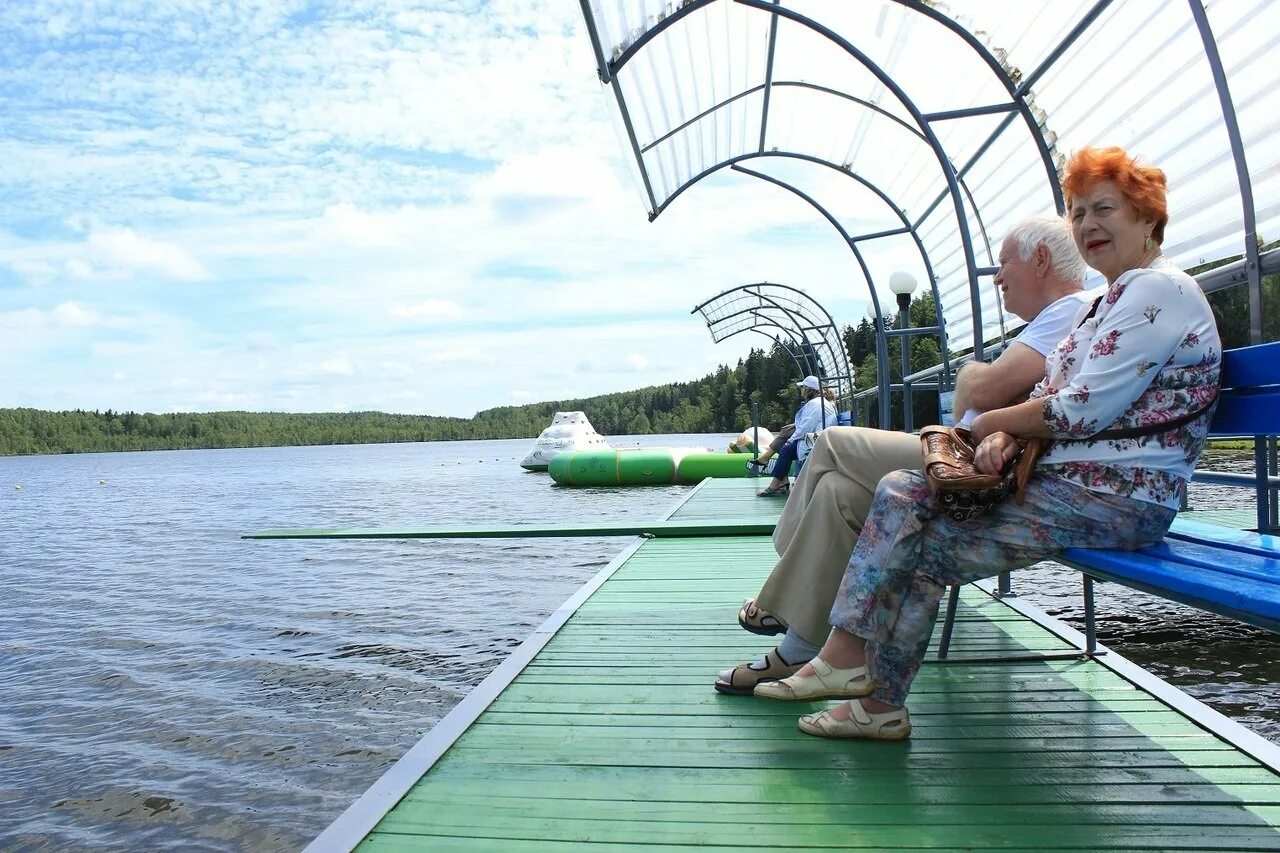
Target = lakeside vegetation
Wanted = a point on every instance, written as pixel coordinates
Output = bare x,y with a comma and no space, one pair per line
721,401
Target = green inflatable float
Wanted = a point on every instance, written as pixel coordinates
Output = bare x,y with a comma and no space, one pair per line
657,466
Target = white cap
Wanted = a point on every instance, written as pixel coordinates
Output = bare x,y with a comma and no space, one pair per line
810,382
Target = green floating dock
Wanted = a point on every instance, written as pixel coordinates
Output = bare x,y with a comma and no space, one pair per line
604,729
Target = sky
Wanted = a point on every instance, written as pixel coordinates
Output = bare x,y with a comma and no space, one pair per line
416,207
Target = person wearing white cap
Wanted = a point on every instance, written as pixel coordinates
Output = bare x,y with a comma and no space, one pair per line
816,414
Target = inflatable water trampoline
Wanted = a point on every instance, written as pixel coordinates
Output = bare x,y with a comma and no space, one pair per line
645,466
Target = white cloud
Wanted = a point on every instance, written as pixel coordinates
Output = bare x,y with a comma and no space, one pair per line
449,356
346,224
428,309
79,268
71,314
339,365
125,249
434,192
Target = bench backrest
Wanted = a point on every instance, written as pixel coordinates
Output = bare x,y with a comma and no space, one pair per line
1249,402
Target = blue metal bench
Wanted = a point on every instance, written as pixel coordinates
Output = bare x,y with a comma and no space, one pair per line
1229,572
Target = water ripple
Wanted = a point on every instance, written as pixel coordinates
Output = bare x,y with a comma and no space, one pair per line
166,685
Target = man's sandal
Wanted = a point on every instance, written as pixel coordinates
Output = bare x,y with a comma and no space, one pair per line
758,621
889,725
774,490
742,680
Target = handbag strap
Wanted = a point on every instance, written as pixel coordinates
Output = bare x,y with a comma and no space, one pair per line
1153,429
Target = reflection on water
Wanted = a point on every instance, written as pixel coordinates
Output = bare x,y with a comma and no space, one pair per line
164,684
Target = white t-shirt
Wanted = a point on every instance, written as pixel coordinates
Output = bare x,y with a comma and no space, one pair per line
1054,322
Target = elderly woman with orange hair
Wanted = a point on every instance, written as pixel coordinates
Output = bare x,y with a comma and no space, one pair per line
1143,360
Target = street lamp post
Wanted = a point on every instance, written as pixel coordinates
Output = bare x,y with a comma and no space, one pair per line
903,284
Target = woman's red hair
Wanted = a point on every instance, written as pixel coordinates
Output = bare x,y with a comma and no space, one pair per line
1143,186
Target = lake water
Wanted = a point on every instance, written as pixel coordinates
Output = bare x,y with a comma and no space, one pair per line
167,685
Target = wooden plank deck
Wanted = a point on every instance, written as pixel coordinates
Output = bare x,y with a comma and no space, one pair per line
613,736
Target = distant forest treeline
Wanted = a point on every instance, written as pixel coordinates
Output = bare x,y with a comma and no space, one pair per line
718,402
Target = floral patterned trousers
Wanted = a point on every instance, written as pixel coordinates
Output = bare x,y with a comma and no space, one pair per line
908,553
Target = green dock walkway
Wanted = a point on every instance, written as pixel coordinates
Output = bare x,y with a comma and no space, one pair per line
607,731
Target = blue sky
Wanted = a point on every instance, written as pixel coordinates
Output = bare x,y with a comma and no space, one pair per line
313,206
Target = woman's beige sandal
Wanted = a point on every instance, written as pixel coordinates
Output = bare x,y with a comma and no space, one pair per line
758,621
742,680
890,725
825,683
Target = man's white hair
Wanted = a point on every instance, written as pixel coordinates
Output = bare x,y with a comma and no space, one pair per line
1055,233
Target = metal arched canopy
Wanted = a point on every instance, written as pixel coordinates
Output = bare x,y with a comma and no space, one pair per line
997,91
792,319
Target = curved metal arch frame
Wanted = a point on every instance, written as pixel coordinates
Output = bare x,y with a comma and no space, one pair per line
908,226
797,314
788,84
944,163
789,345
803,324
800,360
606,70
1017,90
1253,266
882,349
1017,94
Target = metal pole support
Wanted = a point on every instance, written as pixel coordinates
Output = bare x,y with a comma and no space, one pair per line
949,624
1090,627
904,323
755,436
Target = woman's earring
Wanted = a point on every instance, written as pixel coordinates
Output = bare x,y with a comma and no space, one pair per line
1150,244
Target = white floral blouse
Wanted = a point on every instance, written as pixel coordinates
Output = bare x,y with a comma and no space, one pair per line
1149,354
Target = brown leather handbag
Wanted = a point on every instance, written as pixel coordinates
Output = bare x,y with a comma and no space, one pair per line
960,488
964,492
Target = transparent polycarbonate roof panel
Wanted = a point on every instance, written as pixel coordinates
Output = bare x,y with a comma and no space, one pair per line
712,139
933,65
1137,76
1102,96
1024,34
694,65
1248,37
848,134
619,23
858,209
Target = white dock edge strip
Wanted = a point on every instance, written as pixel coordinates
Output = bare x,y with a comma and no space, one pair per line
1250,743
362,816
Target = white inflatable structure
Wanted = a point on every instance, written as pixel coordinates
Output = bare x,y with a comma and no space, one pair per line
568,431
760,436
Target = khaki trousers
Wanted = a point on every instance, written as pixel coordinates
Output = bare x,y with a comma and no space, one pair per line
822,519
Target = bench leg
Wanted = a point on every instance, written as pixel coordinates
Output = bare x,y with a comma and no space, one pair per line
949,624
1090,633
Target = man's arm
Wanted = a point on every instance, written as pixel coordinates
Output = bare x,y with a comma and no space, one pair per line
1006,380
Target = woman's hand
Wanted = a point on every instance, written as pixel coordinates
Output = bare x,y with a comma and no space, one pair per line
994,452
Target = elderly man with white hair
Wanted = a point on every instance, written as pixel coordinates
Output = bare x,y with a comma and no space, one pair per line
1040,280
